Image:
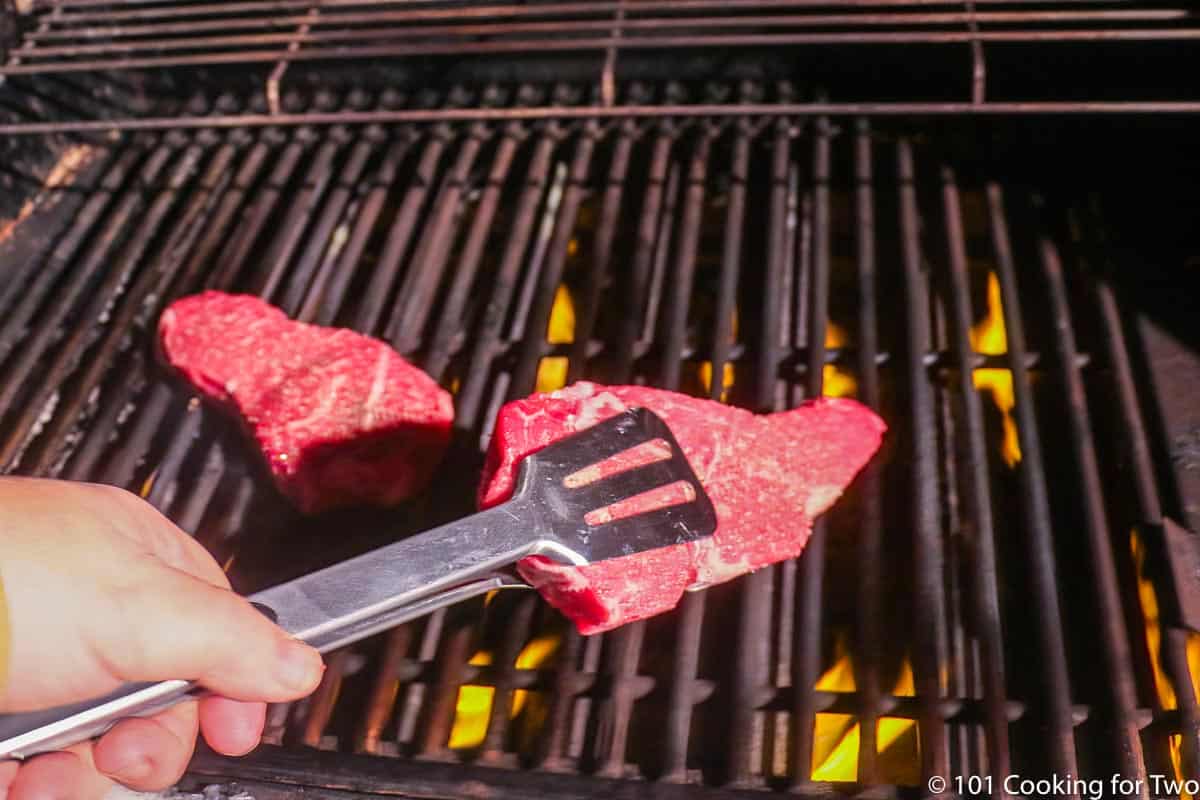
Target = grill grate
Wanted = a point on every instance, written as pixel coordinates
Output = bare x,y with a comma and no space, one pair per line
685,242
98,66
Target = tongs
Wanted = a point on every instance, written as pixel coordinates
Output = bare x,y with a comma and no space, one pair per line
620,487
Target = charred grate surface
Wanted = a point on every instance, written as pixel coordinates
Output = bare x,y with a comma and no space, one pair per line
977,581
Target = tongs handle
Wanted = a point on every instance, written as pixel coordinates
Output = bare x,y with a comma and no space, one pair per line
27,734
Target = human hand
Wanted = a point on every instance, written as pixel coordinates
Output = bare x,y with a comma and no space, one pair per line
101,590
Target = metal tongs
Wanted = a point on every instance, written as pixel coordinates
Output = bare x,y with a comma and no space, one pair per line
567,506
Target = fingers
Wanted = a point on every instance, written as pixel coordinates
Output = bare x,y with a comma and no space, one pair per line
143,754
150,753
66,775
232,727
8,771
173,625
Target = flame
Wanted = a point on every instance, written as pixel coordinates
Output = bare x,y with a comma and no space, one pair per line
837,737
727,374
1162,683
726,378
552,370
837,382
474,704
148,484
990,338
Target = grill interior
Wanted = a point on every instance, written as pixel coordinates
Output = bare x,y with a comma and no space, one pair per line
452,243
985,285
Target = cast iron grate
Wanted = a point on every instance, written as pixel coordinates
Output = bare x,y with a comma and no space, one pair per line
687,244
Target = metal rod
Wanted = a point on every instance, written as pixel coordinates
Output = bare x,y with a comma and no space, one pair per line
301,277
305,203
92,275
419,289
930,624
1149,508
575,45
629,325
383,277
518,620
1118,659
869,640
477,375
109,313
674,321
311,32
334,280
602,254
984,601
599,112
1043,571
485,11
451,325
525,373
17,321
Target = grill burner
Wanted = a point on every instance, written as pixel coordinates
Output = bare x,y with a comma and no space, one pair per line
734,244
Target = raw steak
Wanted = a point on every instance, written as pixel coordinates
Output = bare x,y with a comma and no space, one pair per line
340,417
768,477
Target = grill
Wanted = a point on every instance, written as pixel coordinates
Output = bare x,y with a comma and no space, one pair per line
984,601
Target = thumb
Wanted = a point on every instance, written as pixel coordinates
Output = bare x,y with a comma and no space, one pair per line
174,625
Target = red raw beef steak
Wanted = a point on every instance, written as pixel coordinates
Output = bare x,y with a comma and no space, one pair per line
768,476
340,417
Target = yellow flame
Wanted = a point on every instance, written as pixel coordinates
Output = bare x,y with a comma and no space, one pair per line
837,737
706,371
1162,683
727,374
990,338
148,484
836,381
474,704
552,370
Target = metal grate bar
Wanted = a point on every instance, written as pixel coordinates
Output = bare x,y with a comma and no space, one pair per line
601,263
66,32
977,493
929,654
523,378
142,301
450,326
308,198
399,235
1150,513
870,598
487,337
337,281
490,215
302,278
628,328
52,318
1118,660
1043,570
421,282
16,323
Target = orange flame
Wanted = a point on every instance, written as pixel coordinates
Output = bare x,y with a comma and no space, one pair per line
1162,683
474,704
837,381
727,374
837,737
990,338
552,370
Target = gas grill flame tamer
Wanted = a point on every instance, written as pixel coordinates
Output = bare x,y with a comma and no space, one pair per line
564,507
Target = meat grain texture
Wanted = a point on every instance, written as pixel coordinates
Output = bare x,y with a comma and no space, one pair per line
768,477
341,418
